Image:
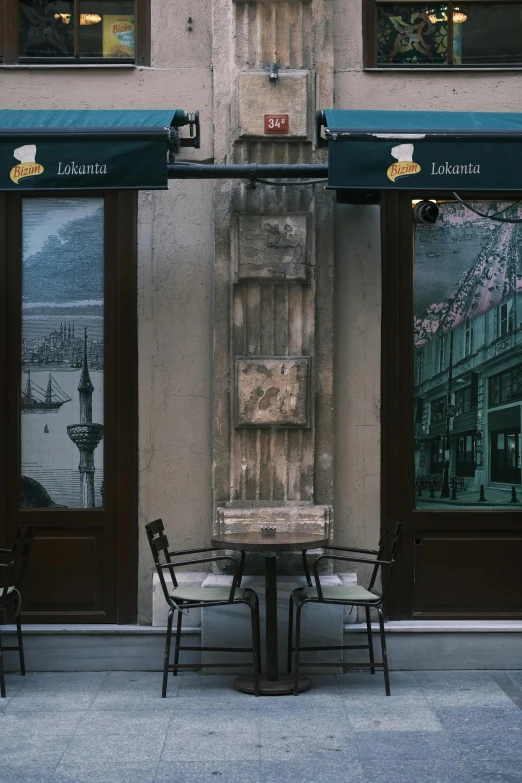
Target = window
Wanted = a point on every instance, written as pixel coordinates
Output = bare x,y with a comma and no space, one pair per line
62,372
441,355
437,455
437,410
463,400
419,365
475,34
506,386
506,318
465,463
468,338
75,31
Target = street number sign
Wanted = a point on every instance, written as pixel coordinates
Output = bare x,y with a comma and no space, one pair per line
276,123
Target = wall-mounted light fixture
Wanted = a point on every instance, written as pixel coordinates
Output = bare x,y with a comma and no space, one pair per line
273,73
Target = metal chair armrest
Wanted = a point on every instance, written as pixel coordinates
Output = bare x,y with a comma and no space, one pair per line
194,551
341,557
353,549
235,578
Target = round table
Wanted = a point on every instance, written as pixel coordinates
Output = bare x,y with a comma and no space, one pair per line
269,546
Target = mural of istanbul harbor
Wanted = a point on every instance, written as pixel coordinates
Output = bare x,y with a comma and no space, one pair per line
468,357
62,352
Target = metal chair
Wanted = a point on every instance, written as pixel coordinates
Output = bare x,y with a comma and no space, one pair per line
347,596
12,575
182,597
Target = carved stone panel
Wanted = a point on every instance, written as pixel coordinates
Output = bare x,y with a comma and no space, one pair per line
272,247
272,392
259,96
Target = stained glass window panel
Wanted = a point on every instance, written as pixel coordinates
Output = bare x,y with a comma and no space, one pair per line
407,35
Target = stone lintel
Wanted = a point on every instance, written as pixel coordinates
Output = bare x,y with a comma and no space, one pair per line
310,519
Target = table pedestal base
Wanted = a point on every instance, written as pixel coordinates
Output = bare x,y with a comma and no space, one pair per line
283,687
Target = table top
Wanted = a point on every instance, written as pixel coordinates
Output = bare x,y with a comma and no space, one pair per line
278,542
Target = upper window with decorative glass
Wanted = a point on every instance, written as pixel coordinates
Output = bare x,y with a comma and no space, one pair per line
74,31
475,34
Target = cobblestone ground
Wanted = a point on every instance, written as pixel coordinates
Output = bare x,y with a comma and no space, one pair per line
445,726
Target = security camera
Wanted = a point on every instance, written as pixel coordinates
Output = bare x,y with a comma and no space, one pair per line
425,212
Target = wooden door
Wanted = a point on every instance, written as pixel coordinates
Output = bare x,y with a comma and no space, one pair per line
451,406
68,406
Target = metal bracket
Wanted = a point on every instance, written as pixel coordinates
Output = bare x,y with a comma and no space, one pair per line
320,122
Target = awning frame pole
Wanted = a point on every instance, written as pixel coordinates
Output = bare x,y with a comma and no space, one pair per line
251,171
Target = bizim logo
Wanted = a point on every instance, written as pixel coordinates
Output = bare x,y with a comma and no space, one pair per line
27,167
405,164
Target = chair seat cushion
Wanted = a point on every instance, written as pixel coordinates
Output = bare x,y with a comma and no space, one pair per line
197,594
341,593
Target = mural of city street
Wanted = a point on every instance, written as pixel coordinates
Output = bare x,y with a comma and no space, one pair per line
468,356
62,352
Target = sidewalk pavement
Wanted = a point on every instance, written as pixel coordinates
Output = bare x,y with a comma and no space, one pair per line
494,497
99,727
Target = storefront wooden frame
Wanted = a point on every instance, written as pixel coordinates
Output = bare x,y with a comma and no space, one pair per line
470,555
114,526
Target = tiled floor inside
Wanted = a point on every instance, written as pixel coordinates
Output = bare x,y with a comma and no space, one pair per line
444,726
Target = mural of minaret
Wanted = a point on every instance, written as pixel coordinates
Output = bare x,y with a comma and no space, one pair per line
86,435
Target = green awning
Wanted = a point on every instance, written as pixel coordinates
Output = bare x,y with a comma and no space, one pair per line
87,150
411,150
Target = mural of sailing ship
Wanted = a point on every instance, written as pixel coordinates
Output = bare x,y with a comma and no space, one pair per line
36,400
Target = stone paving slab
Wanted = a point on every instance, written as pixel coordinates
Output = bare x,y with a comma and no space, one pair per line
436,727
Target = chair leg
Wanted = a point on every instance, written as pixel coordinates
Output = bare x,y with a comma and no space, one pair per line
258,624
2,675
290,634
384,653
20,646
167,654
178,642
241,569
255,646
370,638
297,647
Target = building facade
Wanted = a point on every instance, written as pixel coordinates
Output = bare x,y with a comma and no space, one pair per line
240,284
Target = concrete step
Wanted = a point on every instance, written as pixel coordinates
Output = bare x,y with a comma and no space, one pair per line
436,644
76,648
480,644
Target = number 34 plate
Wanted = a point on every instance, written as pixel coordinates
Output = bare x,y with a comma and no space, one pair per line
276,123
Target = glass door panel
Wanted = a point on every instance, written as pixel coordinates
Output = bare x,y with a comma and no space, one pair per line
467,349
62,352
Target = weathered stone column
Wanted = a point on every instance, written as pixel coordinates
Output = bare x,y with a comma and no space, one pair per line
273,358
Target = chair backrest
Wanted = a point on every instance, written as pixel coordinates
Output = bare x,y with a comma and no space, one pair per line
388,546
15,572
159,545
